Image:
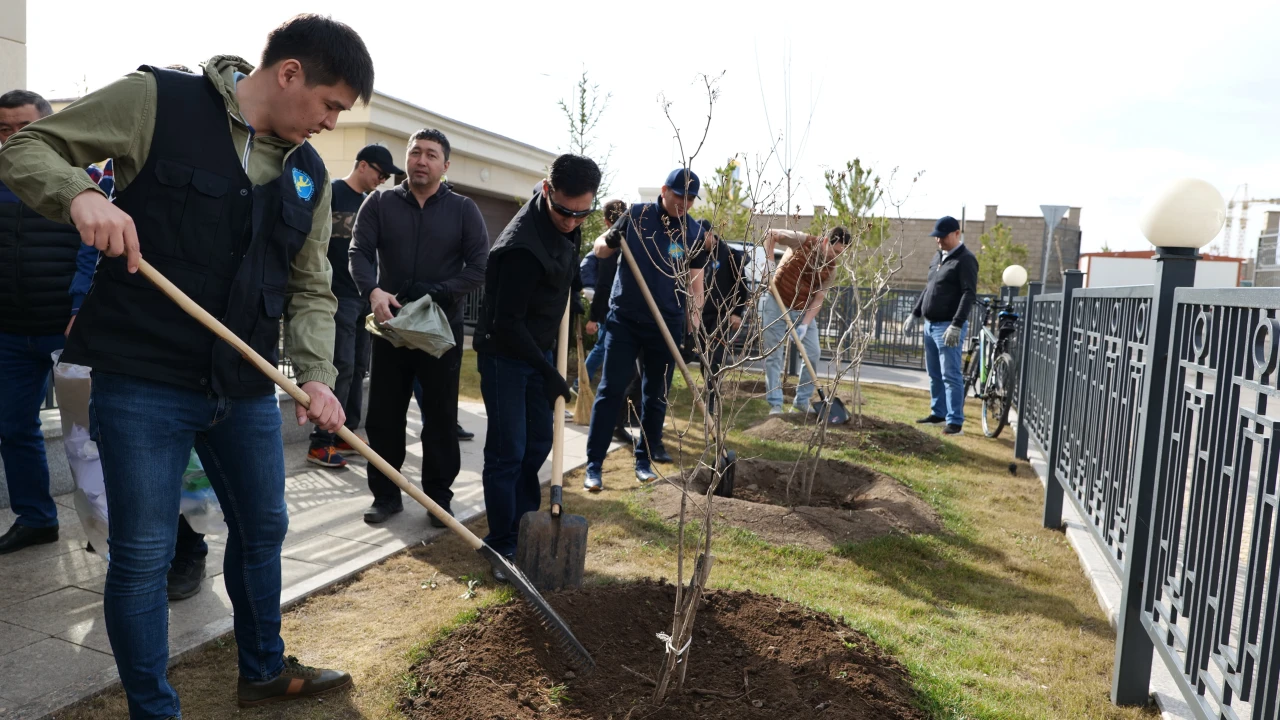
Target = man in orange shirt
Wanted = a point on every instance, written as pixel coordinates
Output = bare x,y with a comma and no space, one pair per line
802,278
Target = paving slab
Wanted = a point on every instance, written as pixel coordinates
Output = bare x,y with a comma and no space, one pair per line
44,667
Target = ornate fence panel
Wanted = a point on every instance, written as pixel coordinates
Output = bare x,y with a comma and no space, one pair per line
1106,364
1042,369
1211,601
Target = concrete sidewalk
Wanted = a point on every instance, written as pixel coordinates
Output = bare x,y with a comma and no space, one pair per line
53,643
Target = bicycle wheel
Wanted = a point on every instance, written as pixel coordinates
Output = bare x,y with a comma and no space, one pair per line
969,371
996,400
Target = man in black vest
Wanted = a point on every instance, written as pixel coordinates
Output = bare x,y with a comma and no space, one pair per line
239,221
532,269
37,264
419,238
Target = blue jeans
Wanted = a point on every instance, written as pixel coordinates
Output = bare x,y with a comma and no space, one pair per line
519,440
145,431
946,384
595,358
624,342
25,362
776,336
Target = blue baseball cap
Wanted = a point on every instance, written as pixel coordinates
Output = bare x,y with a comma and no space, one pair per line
945,226
680,178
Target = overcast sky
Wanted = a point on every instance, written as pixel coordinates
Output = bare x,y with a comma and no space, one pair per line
1095,105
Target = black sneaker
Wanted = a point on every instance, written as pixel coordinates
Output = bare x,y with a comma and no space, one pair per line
931,420
378,513
500,571
661,455
464,434
295,681
185,574
952,430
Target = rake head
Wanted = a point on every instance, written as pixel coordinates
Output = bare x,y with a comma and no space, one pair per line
578,656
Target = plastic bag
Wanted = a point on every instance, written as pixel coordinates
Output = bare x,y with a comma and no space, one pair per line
71,383
421,325
199,502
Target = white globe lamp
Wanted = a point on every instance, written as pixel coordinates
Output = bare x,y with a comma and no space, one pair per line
1014,276
1186,213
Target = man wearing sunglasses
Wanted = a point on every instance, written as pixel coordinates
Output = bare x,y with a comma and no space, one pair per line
667,246
532,271
373,167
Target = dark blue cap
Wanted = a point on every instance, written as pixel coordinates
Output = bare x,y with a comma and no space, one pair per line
945,226
682,177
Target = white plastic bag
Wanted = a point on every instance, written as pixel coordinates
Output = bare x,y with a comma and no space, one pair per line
71,383
199,503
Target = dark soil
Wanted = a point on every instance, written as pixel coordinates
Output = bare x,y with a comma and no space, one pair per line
860,433
849,503
795,663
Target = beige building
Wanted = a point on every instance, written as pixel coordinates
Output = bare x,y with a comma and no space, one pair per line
13,45
497,172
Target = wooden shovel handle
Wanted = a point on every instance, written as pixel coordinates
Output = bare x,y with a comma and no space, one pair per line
300,397
557,437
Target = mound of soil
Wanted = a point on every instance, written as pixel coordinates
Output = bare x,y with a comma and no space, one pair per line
849,503
867,433
753,656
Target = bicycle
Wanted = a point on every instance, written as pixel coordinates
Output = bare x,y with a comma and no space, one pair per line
988,365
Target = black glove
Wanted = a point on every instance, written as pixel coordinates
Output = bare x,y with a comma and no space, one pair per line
575,305
555,386
613,239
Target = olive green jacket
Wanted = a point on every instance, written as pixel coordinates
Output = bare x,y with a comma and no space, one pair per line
42,164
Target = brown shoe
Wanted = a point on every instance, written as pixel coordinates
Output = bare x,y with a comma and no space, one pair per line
295,681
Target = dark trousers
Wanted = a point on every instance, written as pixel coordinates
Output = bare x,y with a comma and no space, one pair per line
518,441
390,387
625,342
712,360
349,388
190,544
25,362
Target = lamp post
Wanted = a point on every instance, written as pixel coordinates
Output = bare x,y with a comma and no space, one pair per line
1013,278
1184,217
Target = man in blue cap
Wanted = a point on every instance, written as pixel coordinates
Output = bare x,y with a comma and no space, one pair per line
667,246
944,305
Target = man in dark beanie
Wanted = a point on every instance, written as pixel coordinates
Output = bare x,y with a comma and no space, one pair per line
532,270
239,221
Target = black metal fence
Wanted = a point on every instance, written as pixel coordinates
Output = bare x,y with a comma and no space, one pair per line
1156,408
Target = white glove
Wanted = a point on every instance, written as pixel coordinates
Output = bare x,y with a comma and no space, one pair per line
909,325
951,338
800,332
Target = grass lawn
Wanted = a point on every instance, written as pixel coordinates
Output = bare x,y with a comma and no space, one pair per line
993,617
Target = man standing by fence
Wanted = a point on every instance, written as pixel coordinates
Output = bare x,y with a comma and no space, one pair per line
419,238
944,305
804,274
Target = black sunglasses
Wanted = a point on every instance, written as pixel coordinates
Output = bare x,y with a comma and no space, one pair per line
383,175
566,211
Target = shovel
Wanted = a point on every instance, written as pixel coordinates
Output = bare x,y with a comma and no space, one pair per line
726,466
552,547
586,397
833,411
578,655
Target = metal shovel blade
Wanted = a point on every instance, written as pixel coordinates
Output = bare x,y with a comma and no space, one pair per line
833,410
552,550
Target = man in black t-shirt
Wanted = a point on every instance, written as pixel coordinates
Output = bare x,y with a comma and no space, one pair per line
351,341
